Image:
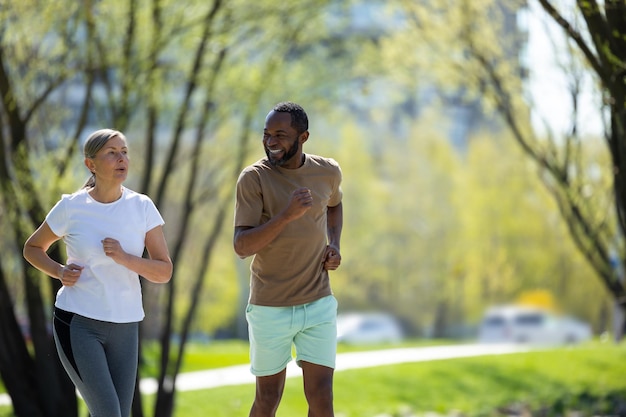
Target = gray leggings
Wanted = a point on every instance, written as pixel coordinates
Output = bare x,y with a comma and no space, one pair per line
101,360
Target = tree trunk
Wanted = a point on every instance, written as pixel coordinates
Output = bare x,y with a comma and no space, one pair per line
49,390
16,366
619,321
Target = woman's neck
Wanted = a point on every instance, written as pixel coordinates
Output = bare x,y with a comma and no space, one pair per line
106,195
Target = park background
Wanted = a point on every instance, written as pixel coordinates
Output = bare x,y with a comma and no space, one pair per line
476,140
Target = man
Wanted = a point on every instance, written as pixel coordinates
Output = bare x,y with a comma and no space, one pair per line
288,214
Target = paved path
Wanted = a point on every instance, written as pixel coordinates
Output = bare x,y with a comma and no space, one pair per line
240,374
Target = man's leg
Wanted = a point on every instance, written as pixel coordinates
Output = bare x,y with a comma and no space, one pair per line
316,351
271,331
318,389
269,391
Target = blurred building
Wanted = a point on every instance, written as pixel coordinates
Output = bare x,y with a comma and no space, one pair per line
462,116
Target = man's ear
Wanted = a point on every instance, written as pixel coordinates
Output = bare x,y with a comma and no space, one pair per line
304,136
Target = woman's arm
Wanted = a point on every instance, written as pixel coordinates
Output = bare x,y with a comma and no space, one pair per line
36,253
158,268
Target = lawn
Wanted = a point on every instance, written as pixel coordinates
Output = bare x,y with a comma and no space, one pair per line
562,380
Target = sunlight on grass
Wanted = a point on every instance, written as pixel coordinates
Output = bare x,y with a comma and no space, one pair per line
474,386
220,353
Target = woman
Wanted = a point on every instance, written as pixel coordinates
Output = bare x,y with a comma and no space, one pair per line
105,227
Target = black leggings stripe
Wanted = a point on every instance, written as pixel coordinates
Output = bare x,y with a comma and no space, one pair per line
62,321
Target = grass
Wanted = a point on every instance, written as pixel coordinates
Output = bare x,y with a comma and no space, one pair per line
200,356
477,386
221,353
473,386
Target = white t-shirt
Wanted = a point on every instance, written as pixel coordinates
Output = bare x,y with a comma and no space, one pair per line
105,290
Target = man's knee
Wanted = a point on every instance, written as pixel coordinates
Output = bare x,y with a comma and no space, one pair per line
269,391
320,392
318,384
269,394
266,402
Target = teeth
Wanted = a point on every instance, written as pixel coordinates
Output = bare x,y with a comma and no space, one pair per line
275,151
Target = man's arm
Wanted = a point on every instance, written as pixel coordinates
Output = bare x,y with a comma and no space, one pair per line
334,220
249,240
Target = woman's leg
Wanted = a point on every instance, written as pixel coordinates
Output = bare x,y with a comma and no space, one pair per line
101,359
122,356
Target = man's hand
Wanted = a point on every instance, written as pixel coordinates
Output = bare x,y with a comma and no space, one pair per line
332,258
300,202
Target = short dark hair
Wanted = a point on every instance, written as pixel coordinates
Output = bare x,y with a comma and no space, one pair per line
299,119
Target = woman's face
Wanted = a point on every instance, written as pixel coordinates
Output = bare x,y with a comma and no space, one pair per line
111,162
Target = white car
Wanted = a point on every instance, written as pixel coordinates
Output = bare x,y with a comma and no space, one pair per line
364,328
532,325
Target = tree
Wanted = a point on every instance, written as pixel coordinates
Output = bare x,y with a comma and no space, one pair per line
45,390
177,79
436,233
462,35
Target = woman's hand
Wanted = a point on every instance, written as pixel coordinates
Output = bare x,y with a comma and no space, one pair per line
70,274
113,249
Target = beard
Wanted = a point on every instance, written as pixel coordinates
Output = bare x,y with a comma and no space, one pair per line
286,157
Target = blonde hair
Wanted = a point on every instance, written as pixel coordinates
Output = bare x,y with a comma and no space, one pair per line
93,144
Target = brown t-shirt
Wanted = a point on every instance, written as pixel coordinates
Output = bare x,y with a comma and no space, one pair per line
289,271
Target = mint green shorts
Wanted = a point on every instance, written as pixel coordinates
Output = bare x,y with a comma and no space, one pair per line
311,328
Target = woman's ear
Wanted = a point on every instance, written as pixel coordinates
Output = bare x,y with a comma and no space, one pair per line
90,165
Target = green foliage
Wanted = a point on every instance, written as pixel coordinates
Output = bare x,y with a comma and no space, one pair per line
432,230
510,223
471,50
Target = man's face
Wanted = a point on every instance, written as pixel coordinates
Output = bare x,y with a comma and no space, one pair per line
281,141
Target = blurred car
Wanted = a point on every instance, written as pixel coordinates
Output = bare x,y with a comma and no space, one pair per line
532,325
365,328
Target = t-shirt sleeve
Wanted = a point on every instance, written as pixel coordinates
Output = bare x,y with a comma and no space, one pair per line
337,194
57,217
153,216
248,200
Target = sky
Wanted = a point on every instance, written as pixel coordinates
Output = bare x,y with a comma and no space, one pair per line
548,83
